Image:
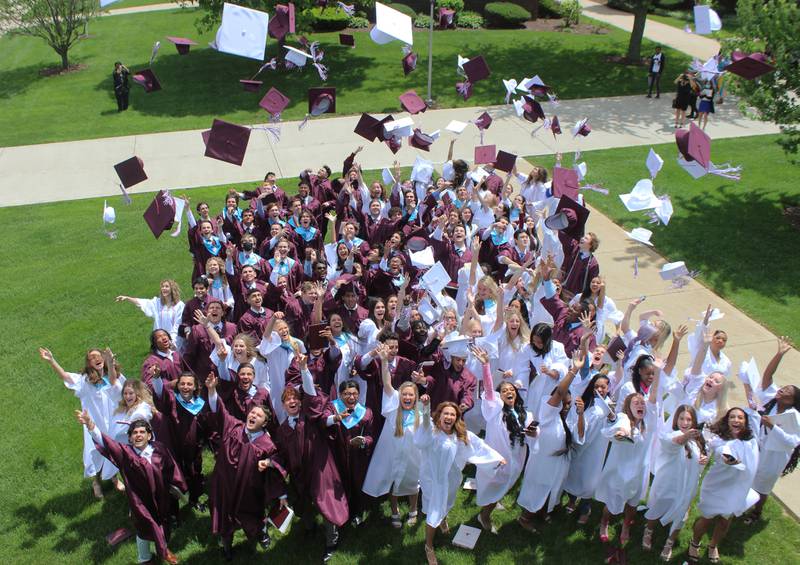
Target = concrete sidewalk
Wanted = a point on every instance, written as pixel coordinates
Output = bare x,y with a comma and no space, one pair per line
695,45
83,169
149,8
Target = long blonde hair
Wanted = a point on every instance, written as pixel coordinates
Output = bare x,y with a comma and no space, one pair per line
721,398
492,287
174,291
524,335
142,395
398,422
249,345
222,276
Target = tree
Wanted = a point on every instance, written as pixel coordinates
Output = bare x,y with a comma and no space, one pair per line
639,9
59,22
213,9
771,27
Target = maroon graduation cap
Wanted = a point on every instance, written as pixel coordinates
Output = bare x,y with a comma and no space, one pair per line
347,39
227,142
321,100
420,140
464,89
409,62
182,44
274,101
412,103
131,171
569,217
565,182
382,135
532,110
368,127
555,126
147,79
394,144
447,18
315,340
505,161
694,144
160,214
749,67
483,121
251,85
476,69
485,154
282,22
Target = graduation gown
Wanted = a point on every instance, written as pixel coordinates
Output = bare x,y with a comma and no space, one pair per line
199,347
307,456
446,385
254,323
169,367
353,462
239,490
147,488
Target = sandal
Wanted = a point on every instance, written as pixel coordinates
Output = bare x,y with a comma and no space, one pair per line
527,525
694,552
396,521
97,489
584,518
647,539
118,484
444,527
752,518
713,553
487,526
604,532
412,519
430,555
625,532
666,553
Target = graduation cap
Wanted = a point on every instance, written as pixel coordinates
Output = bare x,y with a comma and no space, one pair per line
476,69
749,66
382,135
555,126
315,340
535,86
227,142
483,121
642,235
296,57
321,100
569,217
511,86
274,101
694,144
456,346
412,103
671,271
532,110
446,18
409,62
565,182
182,44
581,128
505,161
641,197
243,32
131,171
391,25
421,140
464,89
347,39
456,126
368,127
706,20
416,243
485,154
251,85
654,162
160,214
282,22
394,144
404,127
147,79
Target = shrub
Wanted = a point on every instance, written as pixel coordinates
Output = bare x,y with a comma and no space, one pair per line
403,9
365,6
505,14
469,20
552,9
422,20
357,22
571,12
329,20
457,5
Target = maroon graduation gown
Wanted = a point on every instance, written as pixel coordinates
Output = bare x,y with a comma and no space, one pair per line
353,462
306,454
253,323
577,270
147,488
199,347
238,489
323,370
445,385
169,367
570,338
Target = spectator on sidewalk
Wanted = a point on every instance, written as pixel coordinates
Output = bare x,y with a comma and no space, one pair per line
656,66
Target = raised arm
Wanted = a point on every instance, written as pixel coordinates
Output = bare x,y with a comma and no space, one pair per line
450,150
482,356
47,355
201,319
131,299
110,360
386,376
625,324
500,317
672,356
700,355
783,347
563,387
473,268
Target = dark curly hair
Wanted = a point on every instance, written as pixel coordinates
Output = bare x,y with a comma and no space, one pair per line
792,463
721,428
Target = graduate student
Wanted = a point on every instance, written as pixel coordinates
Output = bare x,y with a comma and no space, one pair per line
166,309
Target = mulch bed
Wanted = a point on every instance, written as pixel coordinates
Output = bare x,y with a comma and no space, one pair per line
558,25
55,71
792,214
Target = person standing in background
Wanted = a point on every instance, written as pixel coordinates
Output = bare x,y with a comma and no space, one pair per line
657,63
121,86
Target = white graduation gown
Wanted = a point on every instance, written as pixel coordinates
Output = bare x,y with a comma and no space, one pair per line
775,450
542,385
100,404
278,360
164,317
443,459
588,456
395,463
494,484
727,488
122,421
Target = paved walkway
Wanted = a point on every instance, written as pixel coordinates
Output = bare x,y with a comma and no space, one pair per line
695,45
148,8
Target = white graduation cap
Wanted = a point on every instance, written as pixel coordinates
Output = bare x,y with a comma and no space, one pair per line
694,168
457,346
716,314
422,171
109,215
519,107
456,127
511,87
243,32
581,169
641,235
154,52
664,210
749,374
707,70
788,421
466,536
448,171
434,135
603,404
460,65
671,271
478,175
706,20
654,163
296,56
435,279
641,197
387,177
527,83
521,86
422,259
404,127
427,310
391,25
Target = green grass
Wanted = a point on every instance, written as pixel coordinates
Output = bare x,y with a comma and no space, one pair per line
679,19
204,84
734,233
61,296
133,3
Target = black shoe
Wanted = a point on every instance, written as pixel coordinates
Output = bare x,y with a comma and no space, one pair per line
649,96
265,541
329,551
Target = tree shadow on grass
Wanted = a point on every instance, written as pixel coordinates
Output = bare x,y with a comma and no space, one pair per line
16,81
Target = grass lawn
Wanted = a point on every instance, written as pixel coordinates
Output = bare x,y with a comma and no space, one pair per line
132,3
48,512
204,84
734,233
679,19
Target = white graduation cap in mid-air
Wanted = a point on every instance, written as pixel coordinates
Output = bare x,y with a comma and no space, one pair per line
706,20
422,171
654,163
404,127
391,25
297,57
243,32
456,126
642,235
641,197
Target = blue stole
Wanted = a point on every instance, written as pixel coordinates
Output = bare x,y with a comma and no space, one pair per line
514,214
212,244
341,339
408,418
353,419
103,384
192,407
306,233
398,280
413,215
287,346
488,304
236,213
357,241
287,265
498,239
251,259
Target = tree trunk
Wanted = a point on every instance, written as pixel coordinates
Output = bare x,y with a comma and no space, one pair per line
635,44
64,59
533,8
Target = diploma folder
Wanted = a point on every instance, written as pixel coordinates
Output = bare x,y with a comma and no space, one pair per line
281,518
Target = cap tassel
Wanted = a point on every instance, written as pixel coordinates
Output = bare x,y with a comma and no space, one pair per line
304,122
348,9
595,188
636,267
156,46
725,170
316,56
125,196
271,64
463,89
